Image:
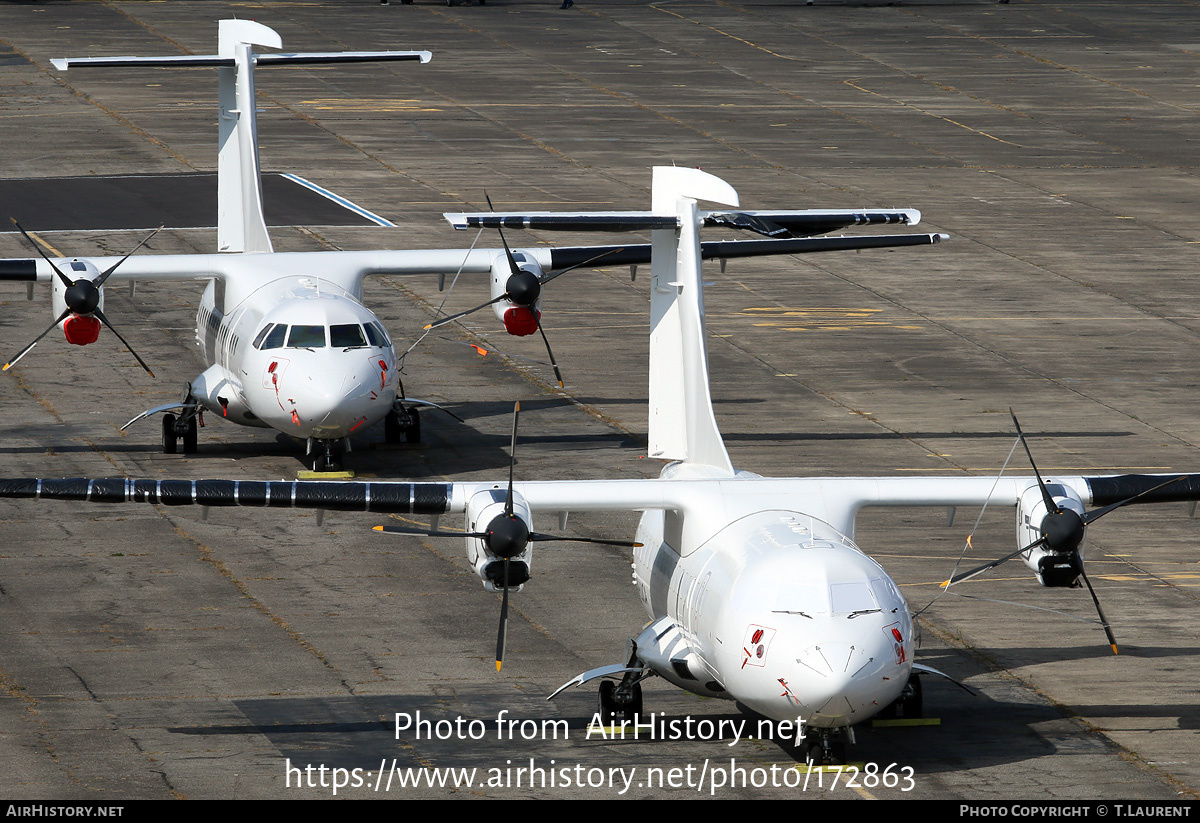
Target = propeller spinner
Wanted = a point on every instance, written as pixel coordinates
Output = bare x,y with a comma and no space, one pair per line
1061,532
524,288
81,295
507,536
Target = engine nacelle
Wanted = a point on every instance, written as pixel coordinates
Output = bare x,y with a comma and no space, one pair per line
1053,568
481,510
79,329
519,319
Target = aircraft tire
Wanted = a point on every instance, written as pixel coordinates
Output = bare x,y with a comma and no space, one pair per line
170,441
412,434
190,436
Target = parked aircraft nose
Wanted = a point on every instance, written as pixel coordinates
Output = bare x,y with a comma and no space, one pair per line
329,395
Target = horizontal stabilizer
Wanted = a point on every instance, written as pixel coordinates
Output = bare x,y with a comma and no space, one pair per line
562,221
564,257
784,223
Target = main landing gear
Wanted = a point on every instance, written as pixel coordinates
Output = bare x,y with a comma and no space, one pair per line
909,704
403,423
622,700
184,427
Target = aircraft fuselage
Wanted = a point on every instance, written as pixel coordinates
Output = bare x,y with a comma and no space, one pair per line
298,354
775,609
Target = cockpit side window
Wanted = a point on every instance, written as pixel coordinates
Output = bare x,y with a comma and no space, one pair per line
348,336
306,337
271,337
376,335
258,339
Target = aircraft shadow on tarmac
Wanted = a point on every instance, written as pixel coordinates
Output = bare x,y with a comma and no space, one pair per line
460,730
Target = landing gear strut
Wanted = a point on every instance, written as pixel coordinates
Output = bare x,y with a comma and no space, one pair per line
623,700
327,457
821,750
185,427
402,423
909,704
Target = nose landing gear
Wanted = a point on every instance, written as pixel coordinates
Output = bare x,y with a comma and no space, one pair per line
326,455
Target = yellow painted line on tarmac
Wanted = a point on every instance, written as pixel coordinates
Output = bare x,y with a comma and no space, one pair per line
903,722
45,245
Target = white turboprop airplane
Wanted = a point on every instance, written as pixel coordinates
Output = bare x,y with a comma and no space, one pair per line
755,589
286,340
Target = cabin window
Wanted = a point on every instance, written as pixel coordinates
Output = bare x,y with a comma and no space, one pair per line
306,337
348,336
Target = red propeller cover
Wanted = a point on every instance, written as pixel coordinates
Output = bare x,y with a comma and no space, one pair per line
520,321
80,330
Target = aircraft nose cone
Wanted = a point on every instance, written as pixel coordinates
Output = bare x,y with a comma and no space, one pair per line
842,683
333,396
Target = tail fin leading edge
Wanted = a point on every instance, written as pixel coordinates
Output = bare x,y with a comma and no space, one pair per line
682,424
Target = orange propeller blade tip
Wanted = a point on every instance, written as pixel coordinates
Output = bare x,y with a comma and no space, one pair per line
480,349
377,528
497,665
944,585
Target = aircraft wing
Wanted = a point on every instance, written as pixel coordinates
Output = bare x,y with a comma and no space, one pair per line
350,267
835,500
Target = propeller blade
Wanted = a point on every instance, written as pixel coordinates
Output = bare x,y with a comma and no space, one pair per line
26,350
535,537
437,323
99,314
1112,641
428,532
66,281
512,460
512,261
502,634
1046,496
100,280
958,578
553,362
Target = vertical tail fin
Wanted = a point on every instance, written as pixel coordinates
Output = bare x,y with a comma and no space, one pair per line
241,224
682,424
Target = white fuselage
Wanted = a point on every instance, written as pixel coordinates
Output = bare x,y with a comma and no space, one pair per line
298,354
775,609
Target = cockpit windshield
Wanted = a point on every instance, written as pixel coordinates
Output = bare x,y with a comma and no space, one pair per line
340,336
306,337
348,336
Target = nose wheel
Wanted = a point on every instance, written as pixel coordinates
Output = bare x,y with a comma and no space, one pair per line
822,750
327,458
